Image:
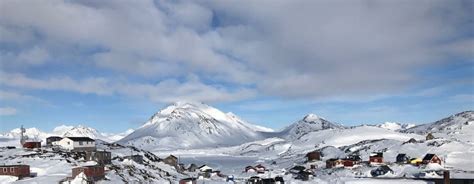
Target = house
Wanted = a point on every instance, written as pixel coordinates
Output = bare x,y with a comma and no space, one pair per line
135,158
19,171
205,168
101,157
402,158
192,168
32,144
334,162
267,181
260,168
411,140
50,140
171,160
254,180
429,136
313,156
304,175
416,161
279,180
349,162
250,169
382,170
431,158
297,169
93,173
76,143
376,158
188,181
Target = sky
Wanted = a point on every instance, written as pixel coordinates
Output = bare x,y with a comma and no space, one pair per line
111,65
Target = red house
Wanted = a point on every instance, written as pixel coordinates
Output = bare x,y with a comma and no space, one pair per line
349,162
93,173
32,144
15,170
313,156
431,158
376,157
334,162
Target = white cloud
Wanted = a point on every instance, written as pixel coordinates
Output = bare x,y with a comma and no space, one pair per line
34,56
290,49
7,111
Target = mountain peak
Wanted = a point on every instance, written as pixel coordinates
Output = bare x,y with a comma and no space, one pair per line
311,117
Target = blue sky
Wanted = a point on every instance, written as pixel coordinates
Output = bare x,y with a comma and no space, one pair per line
112,64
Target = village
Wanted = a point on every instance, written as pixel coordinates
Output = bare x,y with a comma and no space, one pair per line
98,162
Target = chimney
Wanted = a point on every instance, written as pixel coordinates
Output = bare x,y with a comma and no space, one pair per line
446,177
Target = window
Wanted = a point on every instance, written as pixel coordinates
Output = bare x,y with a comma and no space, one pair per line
4,170
80,143
68,143
11,169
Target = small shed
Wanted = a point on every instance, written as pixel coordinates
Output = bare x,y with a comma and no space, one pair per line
402,158
188,181
93,173
382,170
50,140
19,171
376,157
171,160
135,158
431,158
101,157
313,156
430,136
32,144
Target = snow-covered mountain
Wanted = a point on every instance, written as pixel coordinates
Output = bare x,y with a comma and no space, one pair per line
395,126
192,125
450,124
310,123
36,134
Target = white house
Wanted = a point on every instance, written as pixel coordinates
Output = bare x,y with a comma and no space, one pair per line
76,143
205,168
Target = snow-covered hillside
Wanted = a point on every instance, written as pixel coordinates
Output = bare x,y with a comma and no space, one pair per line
450,124
192,125
12,137
456,127
310,123
396,126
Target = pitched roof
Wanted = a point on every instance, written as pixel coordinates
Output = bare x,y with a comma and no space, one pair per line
379,154
54,137
172,156
428,156
80,139
401,155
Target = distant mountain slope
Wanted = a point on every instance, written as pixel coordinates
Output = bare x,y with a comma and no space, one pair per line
309,123
192,125
450,124
395,126
64,131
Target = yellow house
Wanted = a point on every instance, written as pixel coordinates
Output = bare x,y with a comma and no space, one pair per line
416,161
